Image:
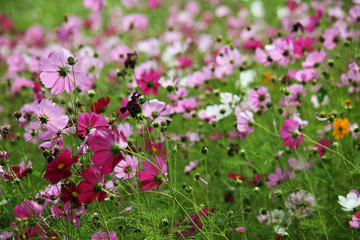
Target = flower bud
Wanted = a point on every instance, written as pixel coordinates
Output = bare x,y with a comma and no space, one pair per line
331,62
155,124
204,150
91,93
256,189
17,114
71,61
165,222
189,189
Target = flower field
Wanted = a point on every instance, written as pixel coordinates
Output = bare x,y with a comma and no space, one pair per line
174,119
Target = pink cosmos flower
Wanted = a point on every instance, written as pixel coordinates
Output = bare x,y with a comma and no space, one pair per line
57,72
354,223
92,186
107,146
69,214
153,177
104,236
262,57
278,176
136,21
186,105
152,4
51,115
16,63
120,53
86,122
191,166
281,51
157,111
300,204
354,14
299,164
332,37
94,5
59,168
259,98
126,169
245,122
314,59
149,82
239,229
290,132
170,83
305,75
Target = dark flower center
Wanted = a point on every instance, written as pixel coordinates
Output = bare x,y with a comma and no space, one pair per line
98,187
261,98
286,53
150,84
115,149
128,169
158,178
63,71
44,119
295,133
155,114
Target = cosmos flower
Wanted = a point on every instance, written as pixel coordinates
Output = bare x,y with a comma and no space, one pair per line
157,111
51,115
152,177
126,169
149,82
59,168
57,72
290,132
86,122
341,128
107,146
92,186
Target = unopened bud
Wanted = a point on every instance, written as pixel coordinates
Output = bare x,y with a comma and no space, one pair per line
204,150
91,93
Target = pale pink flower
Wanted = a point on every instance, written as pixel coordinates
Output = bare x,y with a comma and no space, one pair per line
50,115
126,168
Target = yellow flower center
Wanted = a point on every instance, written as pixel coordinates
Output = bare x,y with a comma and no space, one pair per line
61,166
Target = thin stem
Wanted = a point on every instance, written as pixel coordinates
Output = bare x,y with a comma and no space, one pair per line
102,216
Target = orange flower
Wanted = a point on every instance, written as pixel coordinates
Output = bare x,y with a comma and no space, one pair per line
341,127
267,76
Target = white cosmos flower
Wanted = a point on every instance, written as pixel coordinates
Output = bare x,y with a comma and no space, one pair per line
350,202
230,99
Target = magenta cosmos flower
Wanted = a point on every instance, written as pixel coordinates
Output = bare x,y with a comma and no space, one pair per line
126,169
107,146
245,122
157,111
149,82
153,177
290,132
59,168
57,72
50,115
92,186
86,122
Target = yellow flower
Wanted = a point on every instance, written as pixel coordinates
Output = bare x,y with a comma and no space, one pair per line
341,127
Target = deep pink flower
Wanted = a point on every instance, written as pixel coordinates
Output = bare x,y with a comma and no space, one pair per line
59,168
86,122
152,4
290,132
184,62
26,211
127,168
51,115
153,177
157,111
245,122
149,82
57,72
302,45
354,223
92,186
107,146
